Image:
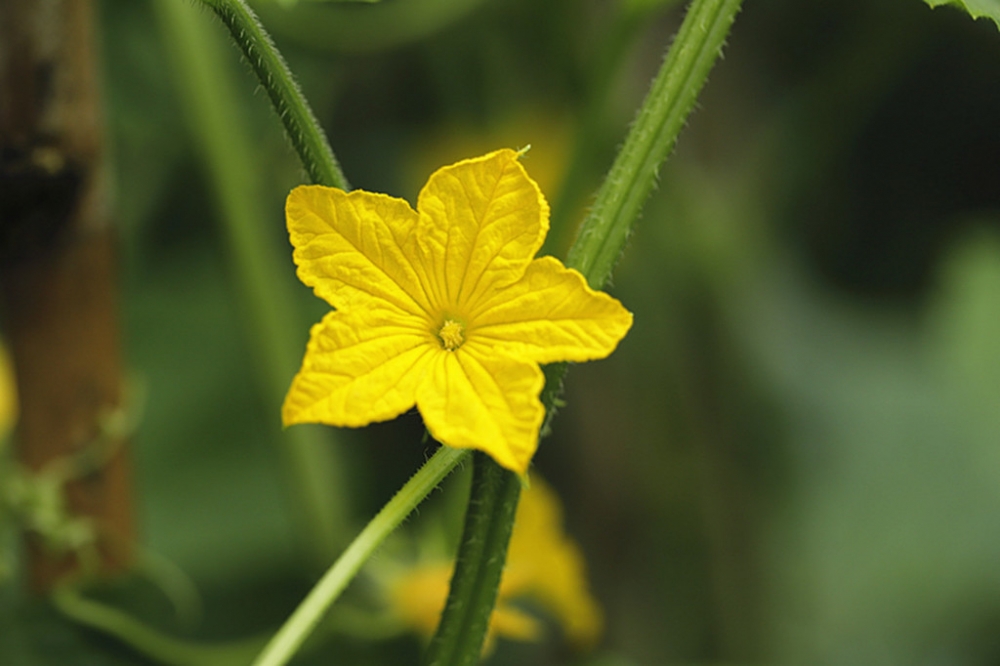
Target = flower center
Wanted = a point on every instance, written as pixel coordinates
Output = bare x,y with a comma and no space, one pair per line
451,334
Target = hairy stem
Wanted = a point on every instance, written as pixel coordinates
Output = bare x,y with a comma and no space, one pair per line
661,117
489,522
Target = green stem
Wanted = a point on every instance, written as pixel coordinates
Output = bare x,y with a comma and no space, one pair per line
660,119
602,237
145,639
286,642
301,125
489,521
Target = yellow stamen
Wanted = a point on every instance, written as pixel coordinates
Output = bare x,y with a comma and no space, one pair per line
452,334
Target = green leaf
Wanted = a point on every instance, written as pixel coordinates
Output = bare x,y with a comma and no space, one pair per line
975,8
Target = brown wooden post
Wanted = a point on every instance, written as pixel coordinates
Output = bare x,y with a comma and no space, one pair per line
57,262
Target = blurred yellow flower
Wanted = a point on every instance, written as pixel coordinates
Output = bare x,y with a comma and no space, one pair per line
444,307
8,393
544,566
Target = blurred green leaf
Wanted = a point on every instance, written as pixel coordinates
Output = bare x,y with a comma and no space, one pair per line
889,548
963,335
975,8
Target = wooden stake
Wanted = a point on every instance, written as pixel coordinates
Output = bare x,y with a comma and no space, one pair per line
57,264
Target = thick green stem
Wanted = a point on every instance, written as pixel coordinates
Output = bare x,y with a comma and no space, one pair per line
660,119
602,237
489,521
301,125
293,633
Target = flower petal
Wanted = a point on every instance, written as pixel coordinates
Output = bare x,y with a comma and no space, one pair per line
348,247
481,222
511,622
475,399
418,595
360,367
550,315
545,564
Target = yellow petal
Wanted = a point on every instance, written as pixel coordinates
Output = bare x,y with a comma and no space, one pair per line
544,567
475,399
418,596
481,222
8,394
544,564
551,315
511,622
360,366
348,247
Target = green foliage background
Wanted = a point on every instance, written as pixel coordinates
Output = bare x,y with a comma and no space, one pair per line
794,457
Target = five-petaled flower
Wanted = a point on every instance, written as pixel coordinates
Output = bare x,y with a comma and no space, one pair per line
444,307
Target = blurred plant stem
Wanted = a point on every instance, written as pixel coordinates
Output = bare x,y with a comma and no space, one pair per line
69,599
292,108
293,633
207,86
595,251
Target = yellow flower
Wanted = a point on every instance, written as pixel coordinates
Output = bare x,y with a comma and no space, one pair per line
8,395
543,565
546,565
444,307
